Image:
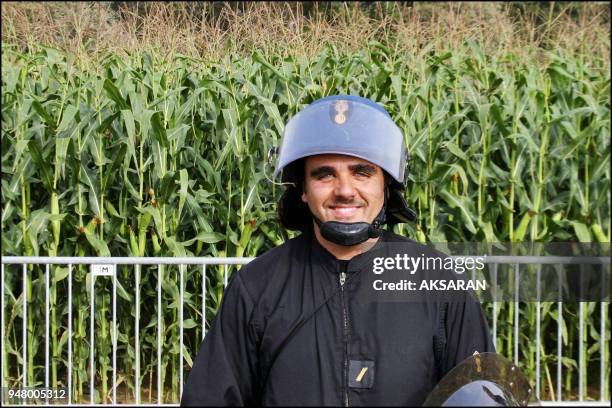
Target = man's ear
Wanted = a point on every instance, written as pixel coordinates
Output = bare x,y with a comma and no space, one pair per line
304,196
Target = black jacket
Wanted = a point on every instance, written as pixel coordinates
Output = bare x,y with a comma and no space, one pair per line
288,333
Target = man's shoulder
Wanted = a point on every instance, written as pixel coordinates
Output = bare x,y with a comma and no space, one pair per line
400,242
273,261
389,236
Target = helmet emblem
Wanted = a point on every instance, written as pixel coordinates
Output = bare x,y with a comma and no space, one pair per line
341,107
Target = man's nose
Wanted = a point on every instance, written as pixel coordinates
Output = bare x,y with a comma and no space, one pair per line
344,187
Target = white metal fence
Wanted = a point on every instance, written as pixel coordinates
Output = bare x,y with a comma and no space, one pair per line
106,267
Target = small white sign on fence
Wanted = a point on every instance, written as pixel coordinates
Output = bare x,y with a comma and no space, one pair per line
103,270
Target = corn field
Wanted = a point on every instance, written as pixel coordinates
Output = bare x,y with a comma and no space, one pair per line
147,155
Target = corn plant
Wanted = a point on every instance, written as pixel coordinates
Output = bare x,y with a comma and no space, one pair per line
150,155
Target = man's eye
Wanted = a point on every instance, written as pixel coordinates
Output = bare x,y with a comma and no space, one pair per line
323,176
363,173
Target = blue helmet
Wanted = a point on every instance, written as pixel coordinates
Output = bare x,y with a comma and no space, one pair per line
345,124
353,126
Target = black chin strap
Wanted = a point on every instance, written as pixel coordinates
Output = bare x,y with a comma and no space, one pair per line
352,233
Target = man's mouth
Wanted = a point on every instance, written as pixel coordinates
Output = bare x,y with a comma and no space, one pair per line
344,211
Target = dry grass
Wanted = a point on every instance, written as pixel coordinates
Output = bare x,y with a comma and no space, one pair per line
93,28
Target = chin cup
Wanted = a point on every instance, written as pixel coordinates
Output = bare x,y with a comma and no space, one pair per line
348,233
351,233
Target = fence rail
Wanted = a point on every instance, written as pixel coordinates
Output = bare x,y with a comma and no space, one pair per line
106,267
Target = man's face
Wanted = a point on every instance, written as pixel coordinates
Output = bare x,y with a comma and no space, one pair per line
343,188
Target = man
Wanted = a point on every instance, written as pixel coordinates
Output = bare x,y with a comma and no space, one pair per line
295,327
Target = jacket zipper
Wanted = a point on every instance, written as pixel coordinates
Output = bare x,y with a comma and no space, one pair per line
344,335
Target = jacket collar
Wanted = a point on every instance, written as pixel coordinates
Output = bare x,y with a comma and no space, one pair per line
326,259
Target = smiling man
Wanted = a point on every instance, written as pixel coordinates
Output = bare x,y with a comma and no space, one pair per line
295,326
